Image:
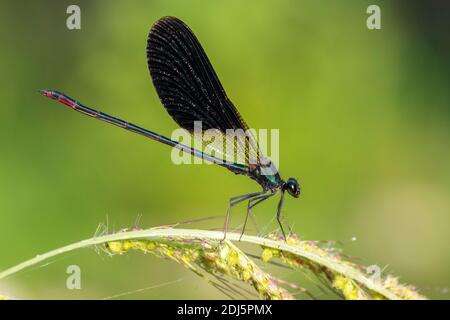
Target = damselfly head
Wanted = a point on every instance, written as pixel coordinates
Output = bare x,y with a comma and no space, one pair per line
292,187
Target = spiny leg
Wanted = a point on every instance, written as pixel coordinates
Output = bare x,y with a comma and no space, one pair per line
252,216
258,199
290,229
280,205
251,203
234,201
243,196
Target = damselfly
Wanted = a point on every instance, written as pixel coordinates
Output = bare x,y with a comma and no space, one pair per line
190,90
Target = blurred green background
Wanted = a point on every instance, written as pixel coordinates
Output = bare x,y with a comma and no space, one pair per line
363,117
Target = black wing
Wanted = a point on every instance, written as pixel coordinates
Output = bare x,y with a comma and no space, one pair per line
190,90
185,80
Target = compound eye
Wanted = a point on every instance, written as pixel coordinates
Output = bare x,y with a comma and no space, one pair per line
292,187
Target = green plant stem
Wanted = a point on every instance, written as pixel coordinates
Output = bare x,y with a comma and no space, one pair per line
167,233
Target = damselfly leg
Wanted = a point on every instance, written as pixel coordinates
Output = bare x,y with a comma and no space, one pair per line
280,205
234,201
252,203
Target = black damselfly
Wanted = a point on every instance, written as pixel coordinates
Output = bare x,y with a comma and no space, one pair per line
190,90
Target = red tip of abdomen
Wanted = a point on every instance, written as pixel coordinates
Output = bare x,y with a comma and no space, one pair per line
58,97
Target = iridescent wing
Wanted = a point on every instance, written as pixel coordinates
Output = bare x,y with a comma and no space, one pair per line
190,90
